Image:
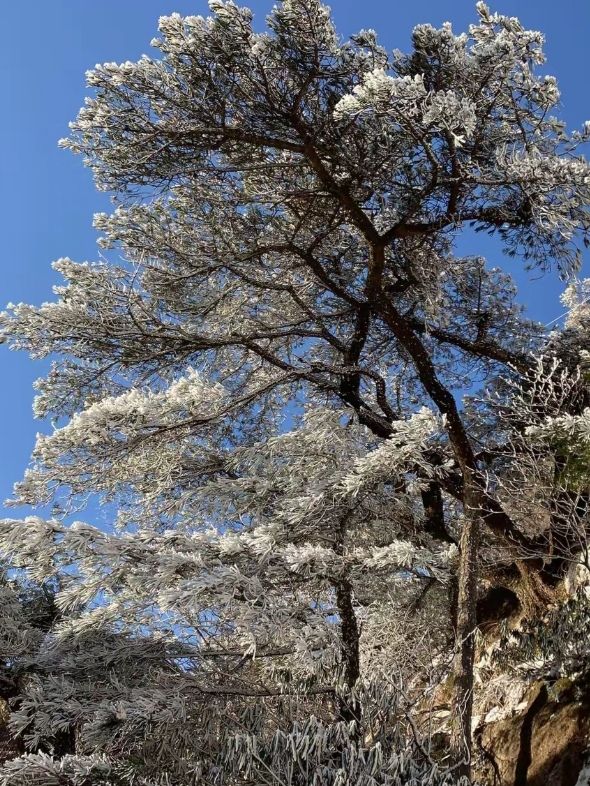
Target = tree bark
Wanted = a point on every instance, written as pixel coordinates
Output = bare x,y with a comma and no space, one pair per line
349,707
466,623
434,514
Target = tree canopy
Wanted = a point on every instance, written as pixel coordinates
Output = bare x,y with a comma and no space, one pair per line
326,435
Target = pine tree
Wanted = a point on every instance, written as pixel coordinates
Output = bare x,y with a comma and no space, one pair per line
268,388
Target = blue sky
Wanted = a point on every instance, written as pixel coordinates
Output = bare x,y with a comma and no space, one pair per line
47,198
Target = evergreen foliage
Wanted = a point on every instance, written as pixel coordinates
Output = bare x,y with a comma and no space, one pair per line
267,386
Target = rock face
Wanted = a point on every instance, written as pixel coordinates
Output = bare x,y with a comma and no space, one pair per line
545,745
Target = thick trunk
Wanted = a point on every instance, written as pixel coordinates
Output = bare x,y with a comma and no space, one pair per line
466,622
349,707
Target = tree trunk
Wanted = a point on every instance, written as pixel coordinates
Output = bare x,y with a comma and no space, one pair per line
465,629
350,646
349,708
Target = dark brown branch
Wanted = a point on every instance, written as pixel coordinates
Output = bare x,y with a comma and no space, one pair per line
479,348
360,218
434,515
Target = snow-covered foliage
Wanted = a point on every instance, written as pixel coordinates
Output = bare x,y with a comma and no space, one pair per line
260,562
266,387
35,768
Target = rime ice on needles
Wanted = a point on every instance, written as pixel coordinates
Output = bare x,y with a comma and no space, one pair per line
407,101
267,387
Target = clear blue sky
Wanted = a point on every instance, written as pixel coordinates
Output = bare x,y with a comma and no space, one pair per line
47,198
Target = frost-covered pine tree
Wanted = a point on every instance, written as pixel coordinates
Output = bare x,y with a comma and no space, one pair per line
268,390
